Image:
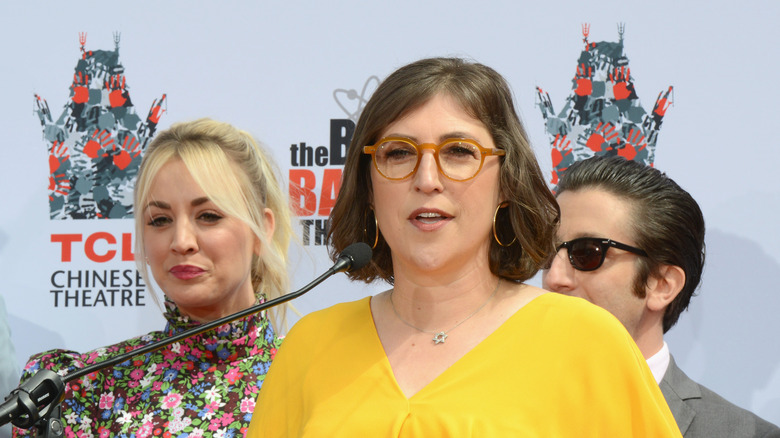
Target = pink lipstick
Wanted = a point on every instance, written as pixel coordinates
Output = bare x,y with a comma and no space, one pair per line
186,272
427,219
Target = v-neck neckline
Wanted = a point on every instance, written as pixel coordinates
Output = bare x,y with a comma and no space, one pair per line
377,343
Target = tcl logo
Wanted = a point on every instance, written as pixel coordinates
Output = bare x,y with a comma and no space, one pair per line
98,247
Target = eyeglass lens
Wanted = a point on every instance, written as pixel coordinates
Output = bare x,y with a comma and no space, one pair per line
586,255
457,160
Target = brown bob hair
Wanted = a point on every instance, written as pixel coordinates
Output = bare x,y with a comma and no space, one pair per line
532,214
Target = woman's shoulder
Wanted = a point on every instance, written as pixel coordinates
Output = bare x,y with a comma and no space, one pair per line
342,312
574,328
55,360
332,322
64,360
574,313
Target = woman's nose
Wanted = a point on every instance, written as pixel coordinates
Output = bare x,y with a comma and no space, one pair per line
184,238
428,178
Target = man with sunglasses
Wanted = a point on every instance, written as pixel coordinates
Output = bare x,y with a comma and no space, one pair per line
632,241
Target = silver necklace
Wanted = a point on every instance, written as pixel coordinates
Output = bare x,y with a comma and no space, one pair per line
440,336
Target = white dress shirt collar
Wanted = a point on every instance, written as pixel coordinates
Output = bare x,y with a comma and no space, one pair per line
659,362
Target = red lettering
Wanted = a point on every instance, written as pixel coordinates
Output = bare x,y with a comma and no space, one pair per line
89,247
302,184
127,248
331,183
66,240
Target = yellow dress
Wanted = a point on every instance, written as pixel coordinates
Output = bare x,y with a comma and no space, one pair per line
559,367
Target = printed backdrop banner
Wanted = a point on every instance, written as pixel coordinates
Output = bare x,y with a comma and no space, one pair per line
686,87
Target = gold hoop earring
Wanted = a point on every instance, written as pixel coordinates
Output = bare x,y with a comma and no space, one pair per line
376,228
495,235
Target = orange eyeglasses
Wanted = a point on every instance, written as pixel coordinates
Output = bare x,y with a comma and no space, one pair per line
458,159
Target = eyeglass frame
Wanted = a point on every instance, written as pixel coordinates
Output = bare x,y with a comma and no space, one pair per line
603,243
483,152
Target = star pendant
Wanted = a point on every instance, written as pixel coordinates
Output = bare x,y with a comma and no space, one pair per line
439,338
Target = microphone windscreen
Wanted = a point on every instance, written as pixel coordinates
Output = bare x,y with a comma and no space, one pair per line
360,254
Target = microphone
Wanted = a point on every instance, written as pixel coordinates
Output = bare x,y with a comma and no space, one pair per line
353,257
33,400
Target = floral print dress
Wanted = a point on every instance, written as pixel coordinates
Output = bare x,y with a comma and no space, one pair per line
203,386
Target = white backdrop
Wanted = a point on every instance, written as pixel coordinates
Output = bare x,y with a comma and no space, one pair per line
284,71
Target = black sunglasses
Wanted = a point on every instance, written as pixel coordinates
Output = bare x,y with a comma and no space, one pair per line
588,253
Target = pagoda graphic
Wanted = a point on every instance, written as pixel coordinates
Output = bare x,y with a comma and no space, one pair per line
602,115
96,143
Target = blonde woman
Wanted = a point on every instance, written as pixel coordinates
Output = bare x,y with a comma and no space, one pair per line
212,230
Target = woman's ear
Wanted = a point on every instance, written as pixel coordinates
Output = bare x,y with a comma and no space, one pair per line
664,287
270,225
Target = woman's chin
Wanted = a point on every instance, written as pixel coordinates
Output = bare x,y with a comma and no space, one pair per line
429,261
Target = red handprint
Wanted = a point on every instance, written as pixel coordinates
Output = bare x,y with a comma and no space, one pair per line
58,181
117,95
583,78
156,111
80,88
57,155
635,142
662,103
561,148
620,79
130,149
604,133
59,184
99,140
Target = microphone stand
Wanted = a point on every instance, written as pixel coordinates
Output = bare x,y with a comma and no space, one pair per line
38,399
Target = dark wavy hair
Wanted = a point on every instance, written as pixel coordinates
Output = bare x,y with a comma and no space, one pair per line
532,214
666,221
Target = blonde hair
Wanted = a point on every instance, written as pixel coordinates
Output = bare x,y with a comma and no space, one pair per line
240,178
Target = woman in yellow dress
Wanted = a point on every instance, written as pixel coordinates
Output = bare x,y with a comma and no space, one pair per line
441,180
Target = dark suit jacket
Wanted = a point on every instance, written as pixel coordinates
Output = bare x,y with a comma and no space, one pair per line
701,413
